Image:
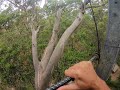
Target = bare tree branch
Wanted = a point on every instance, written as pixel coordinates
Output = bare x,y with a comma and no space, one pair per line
13,3
18,6
54,38
62,42
34,49
30,23
38,29
58,51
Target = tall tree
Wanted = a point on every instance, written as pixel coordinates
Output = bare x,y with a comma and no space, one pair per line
112,44
55,48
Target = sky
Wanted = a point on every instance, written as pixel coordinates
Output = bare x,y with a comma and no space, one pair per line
42,4
5,5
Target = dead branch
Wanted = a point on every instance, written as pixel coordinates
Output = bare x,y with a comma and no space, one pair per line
13,3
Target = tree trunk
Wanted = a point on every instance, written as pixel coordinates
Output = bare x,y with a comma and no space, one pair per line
35,59
112,44
58,51
51,56
34,49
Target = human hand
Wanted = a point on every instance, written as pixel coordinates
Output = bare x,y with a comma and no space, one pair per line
85,78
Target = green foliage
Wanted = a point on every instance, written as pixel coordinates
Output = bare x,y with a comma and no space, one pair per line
15,61
16,68
6,17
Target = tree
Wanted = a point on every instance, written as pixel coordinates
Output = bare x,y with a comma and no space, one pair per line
29,22
55,48
111,47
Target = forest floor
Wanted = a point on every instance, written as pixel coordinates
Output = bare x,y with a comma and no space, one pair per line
115,75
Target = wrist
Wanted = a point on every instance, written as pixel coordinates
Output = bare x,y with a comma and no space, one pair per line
100,85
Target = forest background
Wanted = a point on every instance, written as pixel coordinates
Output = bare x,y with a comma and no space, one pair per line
16,65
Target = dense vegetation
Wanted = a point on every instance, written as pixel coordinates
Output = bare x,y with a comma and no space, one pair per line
16,66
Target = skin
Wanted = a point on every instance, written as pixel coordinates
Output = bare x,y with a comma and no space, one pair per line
85,78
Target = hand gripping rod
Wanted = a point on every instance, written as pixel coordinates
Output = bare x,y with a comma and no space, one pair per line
68,79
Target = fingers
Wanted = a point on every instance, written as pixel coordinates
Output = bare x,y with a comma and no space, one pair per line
73,73
84,75
85,63
71,86
77,69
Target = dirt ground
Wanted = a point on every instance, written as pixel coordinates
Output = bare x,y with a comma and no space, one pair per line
114,76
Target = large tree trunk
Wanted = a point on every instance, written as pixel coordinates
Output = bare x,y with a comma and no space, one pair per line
112,44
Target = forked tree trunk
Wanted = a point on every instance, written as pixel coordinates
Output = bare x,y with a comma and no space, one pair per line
49,50
40,66
58,51
52,54
36,63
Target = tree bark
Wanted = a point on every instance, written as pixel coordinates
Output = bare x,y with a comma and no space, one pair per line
36,63
112,45
58,51
34,49
54,38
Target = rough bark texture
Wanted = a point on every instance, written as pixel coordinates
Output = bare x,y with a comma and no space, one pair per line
112,44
